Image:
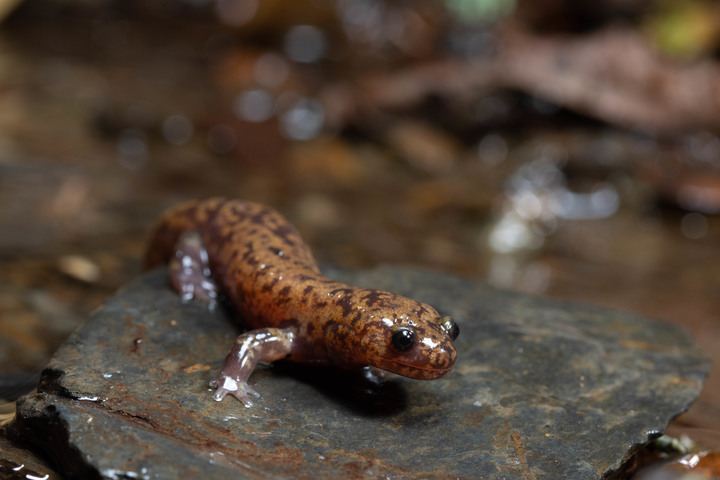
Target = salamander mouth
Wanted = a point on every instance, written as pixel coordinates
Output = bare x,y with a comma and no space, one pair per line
422,372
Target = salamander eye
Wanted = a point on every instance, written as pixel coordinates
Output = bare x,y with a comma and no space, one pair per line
450,327
403,339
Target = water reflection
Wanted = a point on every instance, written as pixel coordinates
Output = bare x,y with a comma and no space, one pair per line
362,20
303,120
538,190
511,233
538,199
602,202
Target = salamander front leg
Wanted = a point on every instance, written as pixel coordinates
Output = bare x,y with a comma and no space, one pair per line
264,344
190,270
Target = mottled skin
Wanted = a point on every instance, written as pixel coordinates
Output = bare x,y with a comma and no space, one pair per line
252,255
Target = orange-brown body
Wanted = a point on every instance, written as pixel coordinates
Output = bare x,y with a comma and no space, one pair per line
259,262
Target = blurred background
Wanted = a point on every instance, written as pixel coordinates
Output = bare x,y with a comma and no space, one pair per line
564,148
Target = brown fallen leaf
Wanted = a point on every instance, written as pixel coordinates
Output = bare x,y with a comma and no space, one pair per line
613,75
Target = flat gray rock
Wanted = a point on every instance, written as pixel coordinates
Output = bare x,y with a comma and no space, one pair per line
541,390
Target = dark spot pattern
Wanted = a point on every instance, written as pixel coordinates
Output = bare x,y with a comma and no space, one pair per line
334,323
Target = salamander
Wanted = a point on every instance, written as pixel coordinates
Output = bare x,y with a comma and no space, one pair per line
249,254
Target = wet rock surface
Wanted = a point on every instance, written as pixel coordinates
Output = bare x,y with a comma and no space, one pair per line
541,389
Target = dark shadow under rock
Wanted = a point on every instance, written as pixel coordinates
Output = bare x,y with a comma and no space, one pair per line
541,389
19,463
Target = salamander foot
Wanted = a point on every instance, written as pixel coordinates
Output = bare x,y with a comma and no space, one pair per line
227,385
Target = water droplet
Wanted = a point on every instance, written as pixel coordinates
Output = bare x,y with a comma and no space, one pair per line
304,120
305,43
254,106
363,20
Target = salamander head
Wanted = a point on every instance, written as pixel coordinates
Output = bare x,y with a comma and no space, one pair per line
417,344
389,332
